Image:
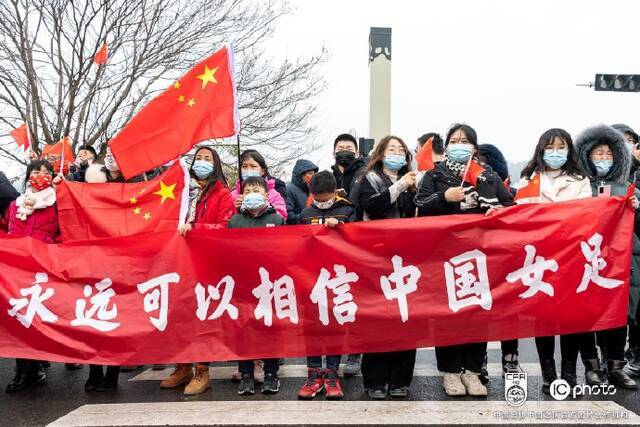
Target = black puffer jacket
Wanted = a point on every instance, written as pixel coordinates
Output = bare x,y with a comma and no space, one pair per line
375,197
298,191
430,199
7,193
342,210
345,180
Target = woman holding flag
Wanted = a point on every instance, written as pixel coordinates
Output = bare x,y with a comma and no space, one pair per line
554,175
459,185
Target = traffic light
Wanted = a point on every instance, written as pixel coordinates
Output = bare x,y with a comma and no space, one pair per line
618,82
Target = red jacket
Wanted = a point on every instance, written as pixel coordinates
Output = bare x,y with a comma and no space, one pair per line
214,208
42,224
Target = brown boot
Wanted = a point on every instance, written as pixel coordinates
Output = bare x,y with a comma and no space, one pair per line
181,375
200,381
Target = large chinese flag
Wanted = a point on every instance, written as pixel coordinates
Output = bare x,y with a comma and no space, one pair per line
92,211
201,105
531,192
474,170
424,157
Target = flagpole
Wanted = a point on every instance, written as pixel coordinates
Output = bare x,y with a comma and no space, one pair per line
239,160
62,158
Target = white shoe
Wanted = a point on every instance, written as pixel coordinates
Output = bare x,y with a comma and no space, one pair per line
471,382
453,385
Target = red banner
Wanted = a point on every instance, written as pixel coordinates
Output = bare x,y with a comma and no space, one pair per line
383,285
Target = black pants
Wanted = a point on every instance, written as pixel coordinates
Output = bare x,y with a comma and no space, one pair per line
454,358
270,366
509,347
391,368
612,342
571,345
634,330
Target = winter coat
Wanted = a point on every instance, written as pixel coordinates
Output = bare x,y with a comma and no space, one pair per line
215,208
280,186
381,198
564,187
342,210
77,173
618,180
7,194
267,218
274,197
346,179
298,191
488,192
42,224
495,159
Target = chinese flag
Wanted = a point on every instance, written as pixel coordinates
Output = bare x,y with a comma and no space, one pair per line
530,191
93,211
424,157
474,170
101,55
201,105
62,149
21,136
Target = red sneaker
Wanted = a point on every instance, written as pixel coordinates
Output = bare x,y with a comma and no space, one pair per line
313,385
332,385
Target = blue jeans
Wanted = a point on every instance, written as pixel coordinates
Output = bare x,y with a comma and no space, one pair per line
333,362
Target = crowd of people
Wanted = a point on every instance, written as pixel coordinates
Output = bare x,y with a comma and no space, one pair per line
385,184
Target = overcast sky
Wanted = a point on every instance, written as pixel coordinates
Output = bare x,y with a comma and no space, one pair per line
507,68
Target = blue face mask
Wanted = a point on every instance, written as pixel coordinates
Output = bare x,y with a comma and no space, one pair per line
247,173
602,166
555,159
394,162
459,153
202,169
253,201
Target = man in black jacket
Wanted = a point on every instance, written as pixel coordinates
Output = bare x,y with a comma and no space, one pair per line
348,164
7,193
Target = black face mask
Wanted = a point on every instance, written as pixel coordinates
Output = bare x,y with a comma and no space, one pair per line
345,158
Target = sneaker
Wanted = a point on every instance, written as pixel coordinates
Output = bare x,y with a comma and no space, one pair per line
313,385
332,385
271,384
352,367
377,393
246,386
452,385
633,358
510,365
472,384
258,371
484,372
182,374
399,392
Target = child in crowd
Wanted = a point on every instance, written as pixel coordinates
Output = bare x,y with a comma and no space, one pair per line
256,211
329,209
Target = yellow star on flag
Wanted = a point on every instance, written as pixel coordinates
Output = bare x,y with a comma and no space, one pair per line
208,76
142,191
181,98
176,85
166,192
133,200
147,216
136,211
191,102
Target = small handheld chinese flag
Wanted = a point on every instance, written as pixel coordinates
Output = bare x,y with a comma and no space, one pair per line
424,157
21,136
63,152
474,170
101,55
201,105
531,192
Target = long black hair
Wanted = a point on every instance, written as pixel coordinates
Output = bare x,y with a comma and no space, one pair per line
37,165
216,175
536,164
257,157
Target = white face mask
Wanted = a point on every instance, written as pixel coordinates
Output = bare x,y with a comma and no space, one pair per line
323,205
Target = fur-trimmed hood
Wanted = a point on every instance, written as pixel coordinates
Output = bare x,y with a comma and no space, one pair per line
496,159
602,134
